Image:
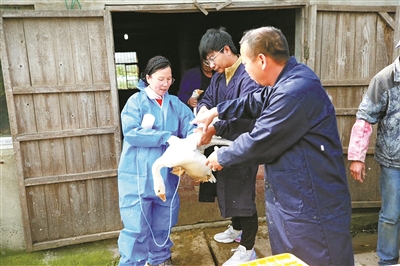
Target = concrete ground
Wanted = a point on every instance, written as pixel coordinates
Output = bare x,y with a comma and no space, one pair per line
193,245
197,247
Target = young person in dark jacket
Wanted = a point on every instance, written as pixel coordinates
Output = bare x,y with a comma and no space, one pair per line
236,184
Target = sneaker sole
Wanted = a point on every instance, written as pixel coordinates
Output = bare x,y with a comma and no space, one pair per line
224,241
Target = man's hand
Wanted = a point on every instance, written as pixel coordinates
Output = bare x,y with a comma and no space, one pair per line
205,117
357,171
205,136
212,161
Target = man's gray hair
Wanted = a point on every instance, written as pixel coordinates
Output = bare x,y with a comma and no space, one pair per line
269,41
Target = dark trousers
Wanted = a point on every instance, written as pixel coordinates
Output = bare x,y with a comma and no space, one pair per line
249,227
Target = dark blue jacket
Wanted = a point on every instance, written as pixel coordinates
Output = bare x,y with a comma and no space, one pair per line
235,185
296,138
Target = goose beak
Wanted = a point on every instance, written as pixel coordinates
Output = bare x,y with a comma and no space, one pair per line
162,197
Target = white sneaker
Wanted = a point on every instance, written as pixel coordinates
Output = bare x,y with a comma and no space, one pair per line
241,255
228,236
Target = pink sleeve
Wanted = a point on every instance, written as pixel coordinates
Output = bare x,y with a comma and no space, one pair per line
359,141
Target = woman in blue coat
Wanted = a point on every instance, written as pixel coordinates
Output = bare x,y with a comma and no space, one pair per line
295,136
149,118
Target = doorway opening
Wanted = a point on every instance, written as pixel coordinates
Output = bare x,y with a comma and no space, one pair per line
177,35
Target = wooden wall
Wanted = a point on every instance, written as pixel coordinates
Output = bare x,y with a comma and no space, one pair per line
350,48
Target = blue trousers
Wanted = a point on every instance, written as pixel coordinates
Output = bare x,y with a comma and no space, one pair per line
389,216
147,221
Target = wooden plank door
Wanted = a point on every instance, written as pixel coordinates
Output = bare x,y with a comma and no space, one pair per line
59,78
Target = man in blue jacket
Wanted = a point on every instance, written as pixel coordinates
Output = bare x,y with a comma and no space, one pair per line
295,136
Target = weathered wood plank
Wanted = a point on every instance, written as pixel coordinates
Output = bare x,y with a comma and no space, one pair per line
73,155
44,180
396,33
41,51
37,213
62,55
64,207
388,19
210,7
91,153
365,45
59,211
60,88
346,99
80,51
52,157
53,212
87,110
104,109
345,111
107,152
357,9
79,208
98,51
345,82
111,207
16,52
75,240
318,45
113,88
366,204
383,52
329,31
311,32
69,111
47,112
345,46
65,133
30,155
52,14
370,151
25,117
96,212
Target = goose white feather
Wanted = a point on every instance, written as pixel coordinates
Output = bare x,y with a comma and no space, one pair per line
184,153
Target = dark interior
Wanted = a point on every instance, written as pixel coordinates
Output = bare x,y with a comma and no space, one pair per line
177,35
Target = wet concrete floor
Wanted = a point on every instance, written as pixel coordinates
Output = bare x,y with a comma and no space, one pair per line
197,247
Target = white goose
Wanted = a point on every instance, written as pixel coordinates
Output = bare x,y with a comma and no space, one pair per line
184,153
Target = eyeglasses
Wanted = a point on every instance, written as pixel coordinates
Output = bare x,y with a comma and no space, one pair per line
170,81
212,58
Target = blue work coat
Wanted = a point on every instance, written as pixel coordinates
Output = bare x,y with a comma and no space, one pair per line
296,137
235,185
147,219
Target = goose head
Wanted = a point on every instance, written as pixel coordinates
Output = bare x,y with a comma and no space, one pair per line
159,186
